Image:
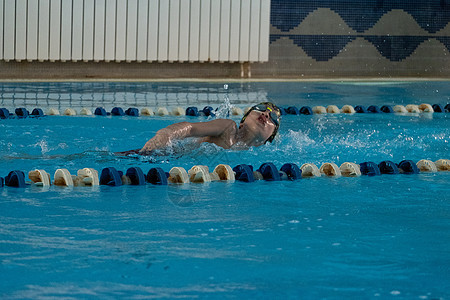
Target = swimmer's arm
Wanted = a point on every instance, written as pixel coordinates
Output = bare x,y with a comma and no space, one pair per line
183,130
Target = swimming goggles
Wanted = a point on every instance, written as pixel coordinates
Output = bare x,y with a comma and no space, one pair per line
273,115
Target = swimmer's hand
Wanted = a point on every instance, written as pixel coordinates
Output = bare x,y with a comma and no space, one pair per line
159,141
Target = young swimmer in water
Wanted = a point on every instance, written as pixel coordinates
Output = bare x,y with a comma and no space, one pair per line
258,126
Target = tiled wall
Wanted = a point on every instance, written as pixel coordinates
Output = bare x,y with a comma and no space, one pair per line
356,38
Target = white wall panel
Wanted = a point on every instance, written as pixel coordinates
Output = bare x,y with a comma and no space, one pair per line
235,27
110,30
224,48
121,29
183,46
44,30
88,30
142,25
214,31
163,32
21,30
153,29
55,30
99,30
135,30
2,4
244,37
131,37
174,29
32,30
205,20
194,32
77,30
254,30
9,30
66,30
264,31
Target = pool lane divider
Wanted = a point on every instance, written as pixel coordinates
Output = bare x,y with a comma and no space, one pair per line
208,111
110,176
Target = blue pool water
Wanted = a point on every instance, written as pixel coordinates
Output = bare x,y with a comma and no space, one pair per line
384,237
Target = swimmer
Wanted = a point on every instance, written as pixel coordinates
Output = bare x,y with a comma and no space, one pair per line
258,126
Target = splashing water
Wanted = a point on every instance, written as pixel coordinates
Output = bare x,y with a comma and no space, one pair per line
224,109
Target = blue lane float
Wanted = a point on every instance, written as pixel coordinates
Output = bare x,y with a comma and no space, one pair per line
292,110
360,109
374,109
192,111
408,167
100,111
306,110
388,167
269,172
369,168
157,176
16,179
37,112
132,111
292,171
21,112
387,109
208,111
4,113
110,176
136,176
244,173
438,108
117,111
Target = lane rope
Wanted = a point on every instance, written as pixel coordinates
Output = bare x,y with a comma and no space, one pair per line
21,113
110,176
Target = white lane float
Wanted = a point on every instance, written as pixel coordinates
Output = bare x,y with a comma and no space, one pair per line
333,109
413,108
53,112
347,109
162,111
443,164
146,111
236,111
310,170
319,110
199,174
85,112
330,170
87,177
349,169
224,172
400,109
178,111
39,177
69,112
178,175
425,165
426,108
62,177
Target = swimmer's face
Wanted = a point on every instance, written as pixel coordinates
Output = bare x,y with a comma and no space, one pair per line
260,124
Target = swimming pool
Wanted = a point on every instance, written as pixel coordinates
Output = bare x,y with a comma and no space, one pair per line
366,237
